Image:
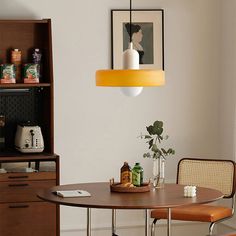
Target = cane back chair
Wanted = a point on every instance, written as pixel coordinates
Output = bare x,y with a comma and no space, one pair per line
215,174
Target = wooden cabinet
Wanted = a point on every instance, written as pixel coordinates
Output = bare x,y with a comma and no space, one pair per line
27,218
22,213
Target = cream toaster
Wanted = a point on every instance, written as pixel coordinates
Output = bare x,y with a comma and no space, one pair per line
29,139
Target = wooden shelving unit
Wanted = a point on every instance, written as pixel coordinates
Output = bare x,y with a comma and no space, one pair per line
21,212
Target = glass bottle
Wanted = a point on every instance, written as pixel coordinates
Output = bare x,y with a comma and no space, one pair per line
137,175
37,59
37,56
125,174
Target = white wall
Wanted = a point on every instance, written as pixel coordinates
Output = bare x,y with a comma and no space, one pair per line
228,85
227,82
96,128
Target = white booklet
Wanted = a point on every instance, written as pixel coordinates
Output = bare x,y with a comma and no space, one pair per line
73,193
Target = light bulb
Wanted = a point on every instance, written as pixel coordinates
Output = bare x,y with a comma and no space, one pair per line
131,91
131,62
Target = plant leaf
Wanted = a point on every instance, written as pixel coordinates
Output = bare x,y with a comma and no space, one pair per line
159,151
157,130
150,129
166,137
158,127
160,131
158,124
147,136
150,143
154,148
164,151
171,151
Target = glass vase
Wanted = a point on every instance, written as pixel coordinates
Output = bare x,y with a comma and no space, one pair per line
159,172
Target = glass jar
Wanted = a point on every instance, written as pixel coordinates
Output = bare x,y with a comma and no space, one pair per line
137,175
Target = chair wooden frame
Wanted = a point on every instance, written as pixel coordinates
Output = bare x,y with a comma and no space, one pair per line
193,179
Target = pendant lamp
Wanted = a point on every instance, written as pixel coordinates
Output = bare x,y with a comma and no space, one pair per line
131,79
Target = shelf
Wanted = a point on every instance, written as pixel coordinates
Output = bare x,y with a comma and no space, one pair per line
14,156
25,85
24,21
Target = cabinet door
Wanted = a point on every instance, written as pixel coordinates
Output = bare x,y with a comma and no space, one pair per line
27,219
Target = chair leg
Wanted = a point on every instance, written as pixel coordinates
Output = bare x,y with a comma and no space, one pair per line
211,228
153,227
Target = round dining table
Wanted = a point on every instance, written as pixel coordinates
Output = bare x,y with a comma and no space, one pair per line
170,196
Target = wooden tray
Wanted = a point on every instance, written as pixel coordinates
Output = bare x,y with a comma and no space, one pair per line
116,187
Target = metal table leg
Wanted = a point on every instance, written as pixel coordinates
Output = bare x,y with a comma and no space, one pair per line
147,222
169,222
114,222
88,222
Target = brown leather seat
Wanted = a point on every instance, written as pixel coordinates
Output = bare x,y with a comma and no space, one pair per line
203,213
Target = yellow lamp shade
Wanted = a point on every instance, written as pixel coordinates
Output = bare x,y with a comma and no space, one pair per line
130,78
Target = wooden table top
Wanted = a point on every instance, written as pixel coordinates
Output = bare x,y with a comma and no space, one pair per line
172,195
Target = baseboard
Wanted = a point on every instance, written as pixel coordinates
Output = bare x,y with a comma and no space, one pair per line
75,229
230,225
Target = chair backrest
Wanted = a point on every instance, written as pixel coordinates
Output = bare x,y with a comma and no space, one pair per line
215,174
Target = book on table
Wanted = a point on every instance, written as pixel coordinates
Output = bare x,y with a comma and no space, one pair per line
72,193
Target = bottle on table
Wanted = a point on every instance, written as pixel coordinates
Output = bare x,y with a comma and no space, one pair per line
137,175
125,174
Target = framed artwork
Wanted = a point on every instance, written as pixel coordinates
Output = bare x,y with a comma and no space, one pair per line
147,31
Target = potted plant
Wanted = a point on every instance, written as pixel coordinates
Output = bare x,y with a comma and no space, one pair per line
154,138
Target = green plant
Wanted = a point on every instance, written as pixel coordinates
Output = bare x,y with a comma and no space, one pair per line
155,137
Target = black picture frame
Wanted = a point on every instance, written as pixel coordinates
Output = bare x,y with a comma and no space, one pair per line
151,22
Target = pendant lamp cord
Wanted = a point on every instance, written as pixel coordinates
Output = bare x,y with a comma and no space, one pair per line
130,21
